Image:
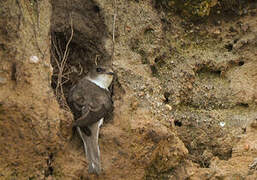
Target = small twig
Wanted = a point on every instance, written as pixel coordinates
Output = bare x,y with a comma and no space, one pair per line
67,74
65,82
67,45
114,21
61,61
113,29
60,49
55,47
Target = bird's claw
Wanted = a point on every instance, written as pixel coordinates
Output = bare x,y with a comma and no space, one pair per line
84,163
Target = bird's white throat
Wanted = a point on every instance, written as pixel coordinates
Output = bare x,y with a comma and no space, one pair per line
102,80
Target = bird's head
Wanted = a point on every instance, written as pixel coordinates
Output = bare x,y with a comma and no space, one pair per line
101,76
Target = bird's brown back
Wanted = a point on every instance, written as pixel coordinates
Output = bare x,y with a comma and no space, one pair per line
88,95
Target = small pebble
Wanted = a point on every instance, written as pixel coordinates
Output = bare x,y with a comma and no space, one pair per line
245,27
246,147
217,32
3,80
141,94
33,59
168,107
222,124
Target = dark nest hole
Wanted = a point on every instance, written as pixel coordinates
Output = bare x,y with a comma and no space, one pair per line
241,63
178,123
77,34
71,62
204,154
229,47
205,69
50,169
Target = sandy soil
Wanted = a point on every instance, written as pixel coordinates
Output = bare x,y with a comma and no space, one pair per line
184,95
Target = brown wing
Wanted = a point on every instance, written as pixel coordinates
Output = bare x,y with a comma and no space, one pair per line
89,102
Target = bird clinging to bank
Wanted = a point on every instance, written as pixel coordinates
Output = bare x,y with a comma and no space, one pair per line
91,98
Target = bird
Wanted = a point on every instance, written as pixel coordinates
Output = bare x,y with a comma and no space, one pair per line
90,100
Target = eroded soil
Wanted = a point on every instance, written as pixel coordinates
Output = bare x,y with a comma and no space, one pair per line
185,93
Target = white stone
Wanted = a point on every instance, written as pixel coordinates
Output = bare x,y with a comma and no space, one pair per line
34,59
168,107
222,124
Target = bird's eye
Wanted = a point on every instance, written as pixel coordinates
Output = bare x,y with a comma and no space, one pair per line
99,69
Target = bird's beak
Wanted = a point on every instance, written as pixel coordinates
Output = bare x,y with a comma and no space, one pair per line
110,73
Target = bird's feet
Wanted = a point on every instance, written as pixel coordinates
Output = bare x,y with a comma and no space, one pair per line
253,165
84,163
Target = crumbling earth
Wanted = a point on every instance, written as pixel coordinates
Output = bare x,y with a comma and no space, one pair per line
185,92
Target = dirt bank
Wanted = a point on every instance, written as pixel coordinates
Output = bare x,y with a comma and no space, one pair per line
185,92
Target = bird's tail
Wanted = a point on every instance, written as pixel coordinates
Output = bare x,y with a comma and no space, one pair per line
91,147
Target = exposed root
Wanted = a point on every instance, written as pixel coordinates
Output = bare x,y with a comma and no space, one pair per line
63,69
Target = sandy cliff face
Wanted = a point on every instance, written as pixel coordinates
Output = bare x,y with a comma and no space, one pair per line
29,114
184,94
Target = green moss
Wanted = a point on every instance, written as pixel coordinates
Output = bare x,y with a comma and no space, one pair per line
192,9
198,9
